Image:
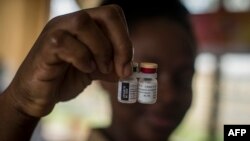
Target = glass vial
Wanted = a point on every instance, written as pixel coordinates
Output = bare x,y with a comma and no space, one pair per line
147,89
128,87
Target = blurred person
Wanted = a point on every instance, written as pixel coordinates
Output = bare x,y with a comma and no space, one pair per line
161,33
94,44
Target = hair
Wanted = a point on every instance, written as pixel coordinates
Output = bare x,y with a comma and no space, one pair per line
138,10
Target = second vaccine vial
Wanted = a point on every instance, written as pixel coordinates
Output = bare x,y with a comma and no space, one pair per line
147,88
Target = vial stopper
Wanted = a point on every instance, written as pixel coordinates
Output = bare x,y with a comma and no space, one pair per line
135,67
146,67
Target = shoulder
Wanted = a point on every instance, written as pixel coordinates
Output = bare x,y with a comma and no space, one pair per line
97,135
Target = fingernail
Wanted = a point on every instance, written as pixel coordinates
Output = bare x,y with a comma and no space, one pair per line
127,71
104,68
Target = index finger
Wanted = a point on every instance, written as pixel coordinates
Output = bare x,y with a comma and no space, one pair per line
112,21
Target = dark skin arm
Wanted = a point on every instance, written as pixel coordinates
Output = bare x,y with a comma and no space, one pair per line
71,51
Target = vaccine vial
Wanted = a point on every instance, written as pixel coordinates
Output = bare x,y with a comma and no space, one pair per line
128,87
147,87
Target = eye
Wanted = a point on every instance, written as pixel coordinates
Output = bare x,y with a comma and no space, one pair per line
183,79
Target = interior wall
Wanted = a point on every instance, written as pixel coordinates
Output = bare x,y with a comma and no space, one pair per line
21,21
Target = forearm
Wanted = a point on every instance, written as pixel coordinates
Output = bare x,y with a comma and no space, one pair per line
14,125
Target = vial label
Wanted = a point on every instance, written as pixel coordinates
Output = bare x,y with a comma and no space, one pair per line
127,92
147,92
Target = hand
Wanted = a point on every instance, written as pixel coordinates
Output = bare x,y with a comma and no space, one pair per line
71,51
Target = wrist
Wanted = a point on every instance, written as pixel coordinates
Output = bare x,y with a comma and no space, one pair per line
24,105
15,124
14,107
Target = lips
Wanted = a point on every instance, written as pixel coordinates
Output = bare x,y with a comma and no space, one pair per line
161,122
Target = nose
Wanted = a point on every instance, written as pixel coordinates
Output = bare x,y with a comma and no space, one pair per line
167,92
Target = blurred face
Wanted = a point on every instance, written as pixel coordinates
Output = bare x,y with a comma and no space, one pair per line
168,45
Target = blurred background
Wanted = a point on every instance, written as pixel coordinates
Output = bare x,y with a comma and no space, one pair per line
221,82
